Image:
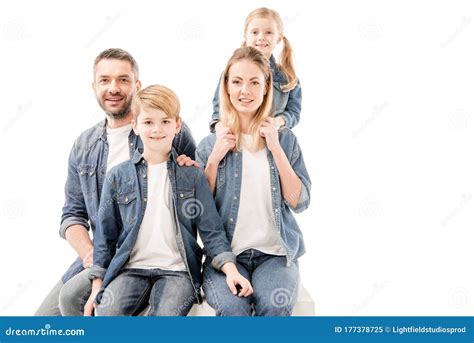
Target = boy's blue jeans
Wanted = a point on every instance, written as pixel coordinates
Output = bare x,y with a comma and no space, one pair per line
275,286
169,293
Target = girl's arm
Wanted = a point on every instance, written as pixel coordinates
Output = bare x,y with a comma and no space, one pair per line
292,112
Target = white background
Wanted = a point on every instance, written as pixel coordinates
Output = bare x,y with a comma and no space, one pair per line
386,130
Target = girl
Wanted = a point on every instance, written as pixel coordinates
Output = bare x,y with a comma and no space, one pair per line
258,177
263,30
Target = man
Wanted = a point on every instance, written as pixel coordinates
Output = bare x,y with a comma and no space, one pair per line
97,150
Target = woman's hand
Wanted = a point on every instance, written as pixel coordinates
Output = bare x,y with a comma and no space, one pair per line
234,279
225,142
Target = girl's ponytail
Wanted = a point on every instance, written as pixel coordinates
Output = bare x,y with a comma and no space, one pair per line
287,66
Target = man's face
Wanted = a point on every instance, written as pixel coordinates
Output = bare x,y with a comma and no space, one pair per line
114,86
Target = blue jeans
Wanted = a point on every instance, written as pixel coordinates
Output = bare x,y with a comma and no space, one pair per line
169,293
74,294
275,286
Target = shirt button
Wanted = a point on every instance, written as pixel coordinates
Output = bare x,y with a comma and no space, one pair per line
274,188
144,199
231,219
276,210
143,161
144,176
272,167
235,198
131,144
181,195
235,175
126,199
91,173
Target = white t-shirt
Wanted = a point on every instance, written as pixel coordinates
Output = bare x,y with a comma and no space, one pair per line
156,245
118,145
256,227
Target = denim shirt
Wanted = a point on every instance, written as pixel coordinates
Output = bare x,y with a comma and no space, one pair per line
121,212
286,104
228,186
87,167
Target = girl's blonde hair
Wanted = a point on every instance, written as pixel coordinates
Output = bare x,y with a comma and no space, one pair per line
285,62
228,114
156,97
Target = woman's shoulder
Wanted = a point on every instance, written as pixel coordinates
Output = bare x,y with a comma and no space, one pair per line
207,142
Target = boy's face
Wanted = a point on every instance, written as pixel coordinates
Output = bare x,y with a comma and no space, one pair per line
114,86
156,130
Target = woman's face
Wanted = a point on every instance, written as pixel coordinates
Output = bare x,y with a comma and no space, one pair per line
246,87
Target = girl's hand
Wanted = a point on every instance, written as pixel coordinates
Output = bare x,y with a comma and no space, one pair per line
219,127
225,141
269,131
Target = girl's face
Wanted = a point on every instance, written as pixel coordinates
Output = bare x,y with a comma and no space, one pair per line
262,34
156,129
246,87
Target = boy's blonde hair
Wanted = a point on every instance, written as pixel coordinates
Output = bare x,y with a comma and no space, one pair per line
156,97
227,112
285,62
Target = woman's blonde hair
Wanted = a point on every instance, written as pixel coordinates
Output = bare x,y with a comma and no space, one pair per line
285,62
228,114
156,97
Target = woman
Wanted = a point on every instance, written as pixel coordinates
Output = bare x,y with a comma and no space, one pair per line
258,176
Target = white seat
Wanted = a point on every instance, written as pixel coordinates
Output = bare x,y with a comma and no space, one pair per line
304,306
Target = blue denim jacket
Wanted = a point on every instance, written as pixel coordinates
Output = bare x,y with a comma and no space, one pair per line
286,104
86,173
228,185
122,207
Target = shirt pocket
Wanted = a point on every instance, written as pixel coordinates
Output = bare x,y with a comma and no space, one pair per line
187,204
126,202
88,179
280,98
221,173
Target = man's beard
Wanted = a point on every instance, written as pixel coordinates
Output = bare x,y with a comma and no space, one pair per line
117,115
122,114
